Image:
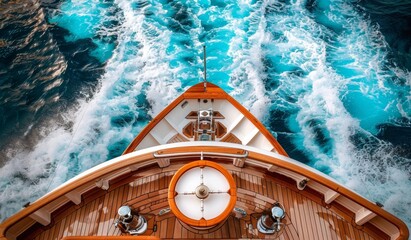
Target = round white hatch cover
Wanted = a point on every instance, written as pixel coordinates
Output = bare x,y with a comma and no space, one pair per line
202,193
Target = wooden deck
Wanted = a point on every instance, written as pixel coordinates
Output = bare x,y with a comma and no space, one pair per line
307,216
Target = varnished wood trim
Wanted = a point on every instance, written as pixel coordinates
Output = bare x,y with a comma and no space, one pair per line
403,229
109,237
202,222
220,129
193,92
231,138
212,92
84,179
135,158
188,130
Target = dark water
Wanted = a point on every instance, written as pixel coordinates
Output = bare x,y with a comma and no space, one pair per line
41,73
394,19
79,79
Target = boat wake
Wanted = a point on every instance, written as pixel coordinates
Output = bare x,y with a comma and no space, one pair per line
319,76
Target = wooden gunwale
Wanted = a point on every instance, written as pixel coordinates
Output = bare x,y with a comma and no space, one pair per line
202,222
212,92
197,92
110,238
135,158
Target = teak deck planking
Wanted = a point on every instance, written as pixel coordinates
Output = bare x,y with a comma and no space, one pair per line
306,216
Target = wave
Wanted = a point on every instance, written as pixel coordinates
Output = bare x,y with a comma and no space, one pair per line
40,72
31,67
394,19
335,85
318,75
385,7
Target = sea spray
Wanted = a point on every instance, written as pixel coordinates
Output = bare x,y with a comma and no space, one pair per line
316,73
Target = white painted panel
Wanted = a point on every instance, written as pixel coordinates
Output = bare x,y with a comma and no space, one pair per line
261,142
148,141
163,131
251,134
242,129
231,114
177,116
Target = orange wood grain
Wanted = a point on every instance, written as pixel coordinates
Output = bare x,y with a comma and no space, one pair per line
285,192
202,222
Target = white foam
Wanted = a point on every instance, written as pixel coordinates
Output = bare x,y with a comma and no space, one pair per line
49,164
247,68
372,168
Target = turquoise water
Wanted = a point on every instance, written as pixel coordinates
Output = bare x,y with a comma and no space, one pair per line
318,74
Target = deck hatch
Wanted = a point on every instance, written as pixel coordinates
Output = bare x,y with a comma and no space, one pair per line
202,194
